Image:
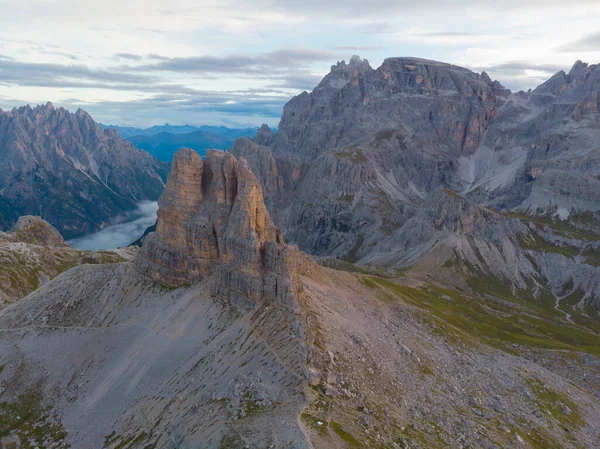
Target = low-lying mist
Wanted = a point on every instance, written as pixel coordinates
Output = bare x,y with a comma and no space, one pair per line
121,234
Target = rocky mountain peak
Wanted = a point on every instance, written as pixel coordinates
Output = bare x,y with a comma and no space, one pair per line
35,230
211,215
355,63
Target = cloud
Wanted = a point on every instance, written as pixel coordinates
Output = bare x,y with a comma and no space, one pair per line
43,74
129,56
446,34
120,234
589,43
522,67
385,8
357,48
263,64
521,75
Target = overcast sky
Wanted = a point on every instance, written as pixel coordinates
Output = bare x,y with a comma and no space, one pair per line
148,62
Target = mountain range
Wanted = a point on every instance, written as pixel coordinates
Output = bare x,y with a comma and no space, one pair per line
163,141
409,261
423,165
66,169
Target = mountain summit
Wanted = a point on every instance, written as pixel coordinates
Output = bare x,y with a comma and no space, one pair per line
65,168
358,164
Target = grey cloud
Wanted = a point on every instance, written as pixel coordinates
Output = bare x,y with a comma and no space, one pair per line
589,43
513,74
357,48
385,8
374,28
447,34
129,56
298,80
209,109
150,30
18,72
519,67
262,64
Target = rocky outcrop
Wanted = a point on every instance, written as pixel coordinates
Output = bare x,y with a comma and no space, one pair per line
67,169
212,220
31,229
34,252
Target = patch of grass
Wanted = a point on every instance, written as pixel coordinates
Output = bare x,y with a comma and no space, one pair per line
557,404
499,323
346,198
592,257
568,228
250,405
311,422
354,154
534,242
452,193
31,423
231,441
345,436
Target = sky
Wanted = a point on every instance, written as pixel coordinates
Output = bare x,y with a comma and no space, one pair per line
236,63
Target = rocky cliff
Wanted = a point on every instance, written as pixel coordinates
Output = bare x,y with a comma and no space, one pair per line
64,167
220,335
357,166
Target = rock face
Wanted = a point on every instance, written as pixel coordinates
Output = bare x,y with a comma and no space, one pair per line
65,168
365,145
34,252
35,230
212,219
356,166
219,335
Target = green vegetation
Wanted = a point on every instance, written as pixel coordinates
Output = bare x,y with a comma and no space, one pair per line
343,265
346,198
31,423
250,405
133,441
345,436
557,404
354,154
571,228
452,193
231,441
312,422
536,243
498,318
23,272
592,257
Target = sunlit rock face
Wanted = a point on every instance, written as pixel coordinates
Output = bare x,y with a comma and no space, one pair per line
212,218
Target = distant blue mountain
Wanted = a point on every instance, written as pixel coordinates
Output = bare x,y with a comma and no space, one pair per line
163,141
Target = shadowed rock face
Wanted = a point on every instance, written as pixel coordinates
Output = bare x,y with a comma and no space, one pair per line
357,164
67,169
212,218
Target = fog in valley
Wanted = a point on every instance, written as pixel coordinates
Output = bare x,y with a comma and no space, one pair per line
121,234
